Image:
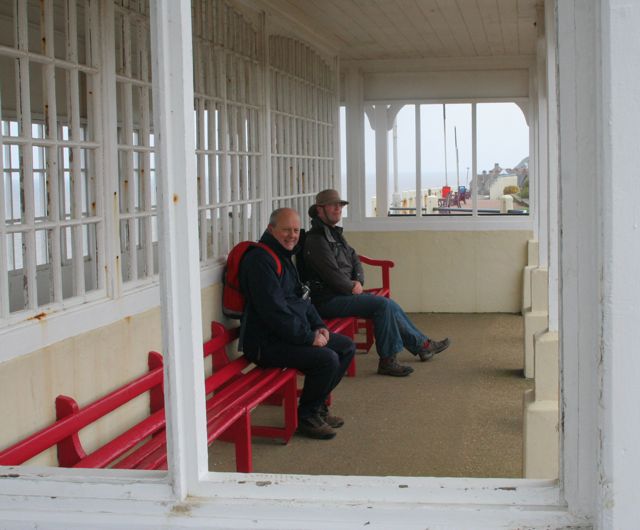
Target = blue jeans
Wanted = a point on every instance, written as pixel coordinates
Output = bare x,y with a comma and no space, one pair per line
323,367
393,329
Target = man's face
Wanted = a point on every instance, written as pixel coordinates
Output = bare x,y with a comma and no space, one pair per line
330,213
286,229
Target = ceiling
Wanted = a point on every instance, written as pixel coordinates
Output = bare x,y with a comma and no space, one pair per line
418,29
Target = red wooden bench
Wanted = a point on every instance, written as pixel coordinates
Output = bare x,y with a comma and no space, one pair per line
365,326
233,391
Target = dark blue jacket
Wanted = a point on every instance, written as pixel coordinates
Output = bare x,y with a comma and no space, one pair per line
274,310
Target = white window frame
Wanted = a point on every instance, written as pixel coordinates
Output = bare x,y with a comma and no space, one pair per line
357,221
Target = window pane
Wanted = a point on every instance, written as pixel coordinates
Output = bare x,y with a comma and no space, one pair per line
503,159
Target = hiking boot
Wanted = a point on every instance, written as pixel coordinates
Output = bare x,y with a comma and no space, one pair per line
315,427
389,366
431,347
333,421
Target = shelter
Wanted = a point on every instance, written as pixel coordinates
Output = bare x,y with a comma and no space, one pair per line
104,101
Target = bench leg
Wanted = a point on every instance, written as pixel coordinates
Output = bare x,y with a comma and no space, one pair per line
241,431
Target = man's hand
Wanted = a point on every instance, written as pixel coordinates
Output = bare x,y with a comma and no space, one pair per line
325,333
357,287
320,340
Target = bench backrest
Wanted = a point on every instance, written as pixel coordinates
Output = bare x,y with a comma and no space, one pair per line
78,418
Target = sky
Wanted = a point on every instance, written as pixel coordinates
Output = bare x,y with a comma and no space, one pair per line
503,137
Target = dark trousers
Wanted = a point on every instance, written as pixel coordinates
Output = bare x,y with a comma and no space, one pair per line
323,367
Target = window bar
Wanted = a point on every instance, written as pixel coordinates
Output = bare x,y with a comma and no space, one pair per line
52,152
223,126
474,161
243,192
214,149
4,271
94,163
127,170
73,110
26,161
255,147
146,190
419,200
201,163
315,137
234,155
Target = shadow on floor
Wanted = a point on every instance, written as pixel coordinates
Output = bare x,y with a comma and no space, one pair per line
458,415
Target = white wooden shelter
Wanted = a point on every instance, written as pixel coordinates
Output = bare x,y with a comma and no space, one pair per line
113,234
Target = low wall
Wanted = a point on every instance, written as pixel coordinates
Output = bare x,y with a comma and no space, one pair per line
458,272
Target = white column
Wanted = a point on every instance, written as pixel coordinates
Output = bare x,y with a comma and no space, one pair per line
552,162
354,98
382,160
618,115
179,262
580,315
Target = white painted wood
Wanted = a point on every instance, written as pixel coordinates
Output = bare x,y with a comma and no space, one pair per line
419,198
354,118
552,158
179,280
618,115
382,160
446,85
52,153
4,285
580,313
26,160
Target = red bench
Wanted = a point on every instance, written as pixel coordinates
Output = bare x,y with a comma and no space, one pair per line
364,325
233,390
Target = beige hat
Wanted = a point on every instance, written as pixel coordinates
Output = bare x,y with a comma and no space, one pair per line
329,197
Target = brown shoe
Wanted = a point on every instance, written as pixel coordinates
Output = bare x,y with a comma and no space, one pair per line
389,366
431,347
334,422
315,427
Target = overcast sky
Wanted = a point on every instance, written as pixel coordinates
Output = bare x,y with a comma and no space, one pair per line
503,137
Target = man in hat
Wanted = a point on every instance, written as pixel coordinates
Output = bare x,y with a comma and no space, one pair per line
281,328
336,278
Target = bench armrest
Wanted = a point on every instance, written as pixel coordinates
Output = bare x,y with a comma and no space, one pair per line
384,265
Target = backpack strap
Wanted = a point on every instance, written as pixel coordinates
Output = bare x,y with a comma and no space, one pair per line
273,255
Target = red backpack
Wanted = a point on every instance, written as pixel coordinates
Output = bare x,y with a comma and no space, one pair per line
233,301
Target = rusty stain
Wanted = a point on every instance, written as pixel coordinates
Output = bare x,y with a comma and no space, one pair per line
181,509
175,198
10,475
39,316
263,483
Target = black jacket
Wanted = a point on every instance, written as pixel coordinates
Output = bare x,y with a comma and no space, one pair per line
274,310
330,264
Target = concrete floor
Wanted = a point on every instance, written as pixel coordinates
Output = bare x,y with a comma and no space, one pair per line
458,415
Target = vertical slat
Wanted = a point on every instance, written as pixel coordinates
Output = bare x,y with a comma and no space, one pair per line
418,162
4,272
73,109
26,162
213,148
52,152
243,178
146,191
127,170
223,123
94,158
474,158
